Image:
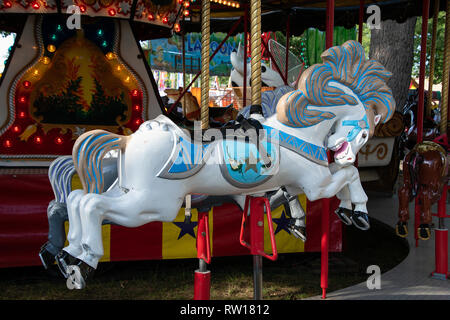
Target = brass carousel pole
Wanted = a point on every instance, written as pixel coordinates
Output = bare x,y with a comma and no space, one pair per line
255,39
432,59
205,64
445,73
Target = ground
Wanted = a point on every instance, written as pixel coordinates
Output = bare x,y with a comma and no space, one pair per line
291,277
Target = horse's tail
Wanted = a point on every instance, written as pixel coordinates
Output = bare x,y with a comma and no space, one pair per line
412,162
88,153
60,174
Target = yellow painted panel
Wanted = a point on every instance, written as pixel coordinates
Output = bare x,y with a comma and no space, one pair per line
76,183
174,247
286,242
185,246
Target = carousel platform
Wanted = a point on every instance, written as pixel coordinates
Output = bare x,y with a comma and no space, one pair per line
410,280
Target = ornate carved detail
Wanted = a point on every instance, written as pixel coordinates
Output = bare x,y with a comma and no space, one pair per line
393,128
381,149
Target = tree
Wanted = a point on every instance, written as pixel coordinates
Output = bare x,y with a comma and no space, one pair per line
393,46
440,44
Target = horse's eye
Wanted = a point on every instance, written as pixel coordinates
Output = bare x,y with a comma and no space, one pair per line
263,69
364,135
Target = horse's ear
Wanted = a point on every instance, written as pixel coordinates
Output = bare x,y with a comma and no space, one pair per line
377,119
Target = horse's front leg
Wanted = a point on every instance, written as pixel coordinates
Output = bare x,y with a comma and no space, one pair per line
352,193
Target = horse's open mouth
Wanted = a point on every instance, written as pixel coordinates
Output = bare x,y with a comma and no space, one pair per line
342,151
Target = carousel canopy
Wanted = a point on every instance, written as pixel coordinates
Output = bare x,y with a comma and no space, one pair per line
156,18
304,14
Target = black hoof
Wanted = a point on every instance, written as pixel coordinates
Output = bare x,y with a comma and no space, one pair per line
360,220
47,258
63,260
401,229
344,215
424,232
78,275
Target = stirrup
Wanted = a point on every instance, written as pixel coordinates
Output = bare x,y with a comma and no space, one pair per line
344,215
47,258
360,220
424,231
401,229
63,260
298,231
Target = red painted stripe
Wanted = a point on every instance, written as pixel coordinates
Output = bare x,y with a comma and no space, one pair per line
226,229
142,243
313,227
23,218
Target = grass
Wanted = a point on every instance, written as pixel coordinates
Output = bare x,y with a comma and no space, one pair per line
291,277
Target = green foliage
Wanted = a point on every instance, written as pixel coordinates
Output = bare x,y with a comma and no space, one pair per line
65,108
440,44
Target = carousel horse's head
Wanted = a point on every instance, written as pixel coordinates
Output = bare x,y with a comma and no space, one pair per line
269,77
346,80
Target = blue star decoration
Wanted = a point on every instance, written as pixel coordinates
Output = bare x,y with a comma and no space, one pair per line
186,228
282,223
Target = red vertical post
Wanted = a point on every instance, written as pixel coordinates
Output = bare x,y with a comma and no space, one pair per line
361,20
330,24
420,107
244,93
257,244
288,36
423,56
441,240
202,278
326,202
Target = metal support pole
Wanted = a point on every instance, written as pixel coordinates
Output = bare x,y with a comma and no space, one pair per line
210,58
446,74
423,57
244,94
441,240
257,243
326,202
420,107
361,21
288,36
204,105
432,59
183,47
257,277
255,39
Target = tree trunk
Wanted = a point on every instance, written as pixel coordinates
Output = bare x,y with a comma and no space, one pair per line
393,46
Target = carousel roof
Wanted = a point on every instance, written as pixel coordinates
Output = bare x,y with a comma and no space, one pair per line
305,14
156,18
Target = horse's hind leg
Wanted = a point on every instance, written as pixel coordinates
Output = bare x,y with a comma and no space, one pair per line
132,209
424,231
401,229
67,256
404,197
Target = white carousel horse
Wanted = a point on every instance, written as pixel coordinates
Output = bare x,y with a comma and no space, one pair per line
269,77
336,105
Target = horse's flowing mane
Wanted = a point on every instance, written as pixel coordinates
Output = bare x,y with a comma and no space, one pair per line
347,65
